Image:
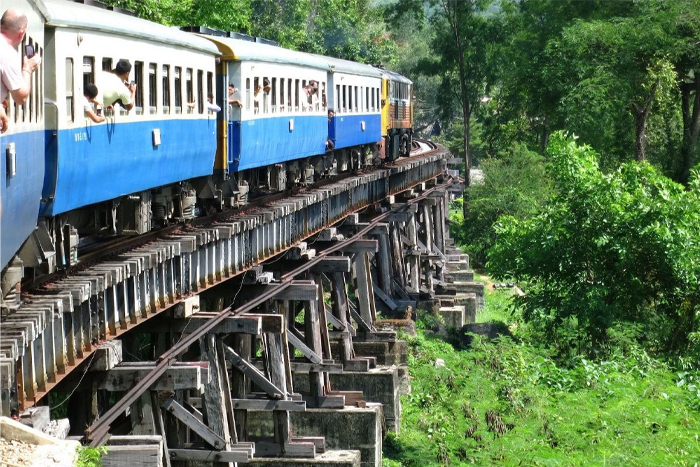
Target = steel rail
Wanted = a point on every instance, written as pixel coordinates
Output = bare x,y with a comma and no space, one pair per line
98,432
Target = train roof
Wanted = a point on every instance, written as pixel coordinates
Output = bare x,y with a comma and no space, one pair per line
338,65
63,13
237,49
392,75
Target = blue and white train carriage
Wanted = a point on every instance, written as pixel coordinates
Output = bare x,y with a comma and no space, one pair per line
22,160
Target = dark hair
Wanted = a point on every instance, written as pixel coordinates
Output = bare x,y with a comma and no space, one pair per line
123,66
210,95
90,91
266,82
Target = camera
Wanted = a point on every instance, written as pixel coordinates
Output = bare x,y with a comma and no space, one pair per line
133,83
29,50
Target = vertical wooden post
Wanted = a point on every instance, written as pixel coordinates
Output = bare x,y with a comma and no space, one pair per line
364,290
439,222
312,335
275,363
339,300
413,259
397,254
427,228
214,402
384,261
323,323
239,383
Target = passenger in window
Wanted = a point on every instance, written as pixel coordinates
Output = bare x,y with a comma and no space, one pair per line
308,93
15,80
265,88
231,93
115,89
93,113
211,105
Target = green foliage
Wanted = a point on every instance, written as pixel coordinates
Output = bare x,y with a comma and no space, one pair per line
514,184
90,457
510,404
607,249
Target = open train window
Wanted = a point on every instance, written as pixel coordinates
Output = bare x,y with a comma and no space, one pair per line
166,89
289,95
265,95
273,96
138,78
152,88
178,90
296,95
210,84
69,90
349,101
247,93
200,91
189,88
282,94
88,71
106,64
324,97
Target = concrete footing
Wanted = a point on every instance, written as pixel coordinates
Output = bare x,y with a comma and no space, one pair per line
380,385
453,316
476,288
350,428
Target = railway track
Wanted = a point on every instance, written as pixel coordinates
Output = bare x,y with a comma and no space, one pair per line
64,317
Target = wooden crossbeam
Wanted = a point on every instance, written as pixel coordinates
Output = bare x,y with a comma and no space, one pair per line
303,348
123,378
253,373
302,450
357,246
194,424
210,456
262,404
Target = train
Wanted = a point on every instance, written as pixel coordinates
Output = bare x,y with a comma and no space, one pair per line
292,119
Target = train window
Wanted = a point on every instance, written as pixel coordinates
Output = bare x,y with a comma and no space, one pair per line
273,96
189,88
324,97
200,91
247,93
38,88
88,71
350,98
374,109
367,107
336,98
152,88
289,95
166,89
282,94
265,94
69,90
296,95
303,96
178,90
106,64
138,78
210,82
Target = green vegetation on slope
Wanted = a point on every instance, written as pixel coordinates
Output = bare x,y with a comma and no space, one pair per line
509,404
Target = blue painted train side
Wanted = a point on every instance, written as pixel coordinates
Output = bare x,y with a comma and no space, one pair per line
97,163
20,193
355,130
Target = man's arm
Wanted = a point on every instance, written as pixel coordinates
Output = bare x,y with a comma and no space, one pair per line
4,121
130,97
29,65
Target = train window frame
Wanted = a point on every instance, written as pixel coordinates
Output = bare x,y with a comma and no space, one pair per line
153,88
282,95
138,97
88,71
324,98
210,86
200,91
177,82
290,95
247,93
297,82
70,90
165,84
189,88
273,95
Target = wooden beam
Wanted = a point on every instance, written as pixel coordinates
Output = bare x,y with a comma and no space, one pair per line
384,297
327,264
262,404
253,373
357,246
175,378
303,348
210,456
195,425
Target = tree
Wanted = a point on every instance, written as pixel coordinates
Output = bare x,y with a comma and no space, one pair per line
459,44
608,248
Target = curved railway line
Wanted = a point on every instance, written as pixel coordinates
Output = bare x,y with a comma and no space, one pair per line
259,261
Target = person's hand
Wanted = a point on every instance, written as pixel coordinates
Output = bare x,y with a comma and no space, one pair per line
4,121
132,88
31,64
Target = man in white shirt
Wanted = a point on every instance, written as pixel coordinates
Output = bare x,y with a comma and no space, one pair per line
15,81
114,88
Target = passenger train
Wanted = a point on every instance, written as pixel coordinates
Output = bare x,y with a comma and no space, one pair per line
170,158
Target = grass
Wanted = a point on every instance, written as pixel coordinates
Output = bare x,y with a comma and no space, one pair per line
507,403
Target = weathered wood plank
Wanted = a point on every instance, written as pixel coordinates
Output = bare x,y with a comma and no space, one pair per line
195,425
210,456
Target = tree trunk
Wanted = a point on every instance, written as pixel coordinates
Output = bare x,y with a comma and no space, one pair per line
640,116
691,128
